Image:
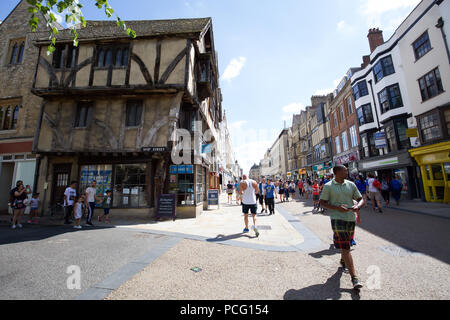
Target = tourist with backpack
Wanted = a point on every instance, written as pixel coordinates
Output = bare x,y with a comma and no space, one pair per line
396,189
373,188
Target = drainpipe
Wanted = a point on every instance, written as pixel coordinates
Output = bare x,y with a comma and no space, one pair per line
440,25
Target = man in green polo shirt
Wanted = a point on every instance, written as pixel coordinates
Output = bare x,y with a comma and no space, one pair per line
337,196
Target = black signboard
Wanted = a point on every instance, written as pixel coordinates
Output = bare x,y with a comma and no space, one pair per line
213,197
166,206
154,149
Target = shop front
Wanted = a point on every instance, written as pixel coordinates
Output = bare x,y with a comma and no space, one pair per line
397,164
434,163
16,163
350,160
322,169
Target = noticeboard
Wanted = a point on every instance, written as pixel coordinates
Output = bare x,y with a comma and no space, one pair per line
213,197
166,206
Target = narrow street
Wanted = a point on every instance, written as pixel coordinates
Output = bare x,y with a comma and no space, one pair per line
293,258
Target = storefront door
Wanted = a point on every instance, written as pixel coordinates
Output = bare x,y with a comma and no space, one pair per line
436,179
61,180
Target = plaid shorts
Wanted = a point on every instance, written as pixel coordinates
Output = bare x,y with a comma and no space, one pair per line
343,233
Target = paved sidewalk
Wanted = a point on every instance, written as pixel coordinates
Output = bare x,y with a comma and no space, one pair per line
225,226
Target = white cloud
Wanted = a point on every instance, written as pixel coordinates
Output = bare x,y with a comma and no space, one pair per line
341,25
291,109
234,68
237,125
59,17
324,92
386,14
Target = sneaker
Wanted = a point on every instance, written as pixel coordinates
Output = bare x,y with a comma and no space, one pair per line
19,225
29,221
77,227
343,266
352,243
246,230
256,232
380,211
356,283
89,224
13,226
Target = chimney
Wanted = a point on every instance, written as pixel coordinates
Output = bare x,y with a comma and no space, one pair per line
366,61
375,38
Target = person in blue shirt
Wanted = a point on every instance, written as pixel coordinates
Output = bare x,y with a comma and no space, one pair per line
270,194
362,187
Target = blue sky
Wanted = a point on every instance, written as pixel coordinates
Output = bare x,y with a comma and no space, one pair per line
273,55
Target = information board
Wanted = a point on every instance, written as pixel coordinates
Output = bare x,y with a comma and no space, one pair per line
213,197
166,206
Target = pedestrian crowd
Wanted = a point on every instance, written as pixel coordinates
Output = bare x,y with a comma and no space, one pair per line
76,205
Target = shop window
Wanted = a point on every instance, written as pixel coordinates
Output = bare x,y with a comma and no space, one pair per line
390,137
437,172
403,140
134,113
130,186
447,170
185,196
430,127
353,136
102,174
200,191
431,85
447,120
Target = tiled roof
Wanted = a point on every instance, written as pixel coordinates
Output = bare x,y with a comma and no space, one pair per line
109,29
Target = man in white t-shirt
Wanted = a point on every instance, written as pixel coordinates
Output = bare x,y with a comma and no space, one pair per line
374,192
91,198
69,198
248,188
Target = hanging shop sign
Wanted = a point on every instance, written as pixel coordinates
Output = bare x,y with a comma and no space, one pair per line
380,140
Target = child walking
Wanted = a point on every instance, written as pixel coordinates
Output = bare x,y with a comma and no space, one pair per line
34,208
78,212
106,206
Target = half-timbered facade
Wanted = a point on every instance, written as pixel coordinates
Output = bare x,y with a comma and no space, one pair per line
112,105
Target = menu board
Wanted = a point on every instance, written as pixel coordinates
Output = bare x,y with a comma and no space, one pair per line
166,206
213,197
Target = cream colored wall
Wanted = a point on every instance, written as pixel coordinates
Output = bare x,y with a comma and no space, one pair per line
437,57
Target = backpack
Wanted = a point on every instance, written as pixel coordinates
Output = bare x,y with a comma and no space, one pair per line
376,184
384,186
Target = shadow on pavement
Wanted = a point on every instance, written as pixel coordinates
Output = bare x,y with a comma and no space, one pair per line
36,233
415,233
330,290
221,237
328,252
